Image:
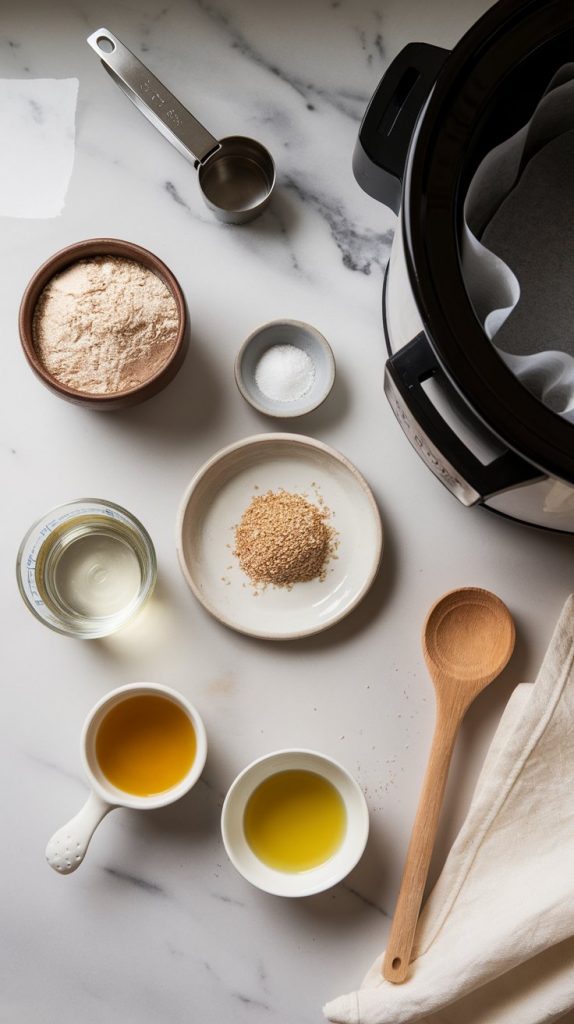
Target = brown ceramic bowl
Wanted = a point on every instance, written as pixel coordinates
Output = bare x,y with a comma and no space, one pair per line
84,250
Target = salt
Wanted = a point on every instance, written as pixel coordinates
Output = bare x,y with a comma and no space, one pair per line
285,373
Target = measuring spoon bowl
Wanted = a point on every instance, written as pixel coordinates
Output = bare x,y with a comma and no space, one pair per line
236,174
237,179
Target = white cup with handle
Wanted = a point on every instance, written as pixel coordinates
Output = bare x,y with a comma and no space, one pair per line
67,847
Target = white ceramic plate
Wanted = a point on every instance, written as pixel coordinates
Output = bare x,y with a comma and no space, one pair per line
214,503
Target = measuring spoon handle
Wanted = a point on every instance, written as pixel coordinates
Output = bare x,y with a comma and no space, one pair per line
152,98
67,847
401,940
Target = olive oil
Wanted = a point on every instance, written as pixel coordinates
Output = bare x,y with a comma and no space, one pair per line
145,745
295,820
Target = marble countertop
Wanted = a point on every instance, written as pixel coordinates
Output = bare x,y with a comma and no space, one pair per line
157,925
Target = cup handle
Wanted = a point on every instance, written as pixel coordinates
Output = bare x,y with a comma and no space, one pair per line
67,847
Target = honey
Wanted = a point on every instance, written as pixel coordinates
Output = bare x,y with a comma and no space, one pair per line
295,820
145,745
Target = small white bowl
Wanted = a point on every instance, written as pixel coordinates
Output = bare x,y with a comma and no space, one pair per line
285,332
300,883
67,847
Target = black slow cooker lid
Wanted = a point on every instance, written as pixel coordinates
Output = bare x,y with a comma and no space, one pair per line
486,90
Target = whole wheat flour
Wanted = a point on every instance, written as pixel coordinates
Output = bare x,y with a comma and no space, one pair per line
105,325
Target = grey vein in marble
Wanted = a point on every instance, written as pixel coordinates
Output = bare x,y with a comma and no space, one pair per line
36,110
177,198
227,899
213,790
239,997
338,99
53,767
262,975
140,883
364,899
377,49
360,250
285,238
250,1001
13,46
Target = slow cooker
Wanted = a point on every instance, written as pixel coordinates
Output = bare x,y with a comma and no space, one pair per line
431,121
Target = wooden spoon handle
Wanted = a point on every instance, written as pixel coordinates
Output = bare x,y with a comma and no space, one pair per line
415,872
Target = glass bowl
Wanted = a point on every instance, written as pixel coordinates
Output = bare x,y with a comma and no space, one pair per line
86,568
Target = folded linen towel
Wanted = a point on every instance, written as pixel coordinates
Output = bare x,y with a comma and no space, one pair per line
495,942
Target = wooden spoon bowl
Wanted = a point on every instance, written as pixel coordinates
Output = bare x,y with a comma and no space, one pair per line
468,637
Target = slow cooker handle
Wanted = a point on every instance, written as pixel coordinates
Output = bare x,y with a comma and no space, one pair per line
437,444
386,130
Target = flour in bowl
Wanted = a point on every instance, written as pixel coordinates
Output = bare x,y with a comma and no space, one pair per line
105,325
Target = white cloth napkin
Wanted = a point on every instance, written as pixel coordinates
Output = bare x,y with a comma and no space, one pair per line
495,942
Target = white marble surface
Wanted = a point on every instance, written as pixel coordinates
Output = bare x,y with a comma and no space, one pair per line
156,925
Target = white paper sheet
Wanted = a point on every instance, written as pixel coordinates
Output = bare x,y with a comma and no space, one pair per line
37,128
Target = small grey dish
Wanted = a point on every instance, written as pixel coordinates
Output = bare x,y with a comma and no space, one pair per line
285,332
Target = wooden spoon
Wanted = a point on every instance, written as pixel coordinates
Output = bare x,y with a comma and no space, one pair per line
467,638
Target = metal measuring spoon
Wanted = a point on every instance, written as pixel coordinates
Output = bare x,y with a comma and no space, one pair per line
468,638
236,174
